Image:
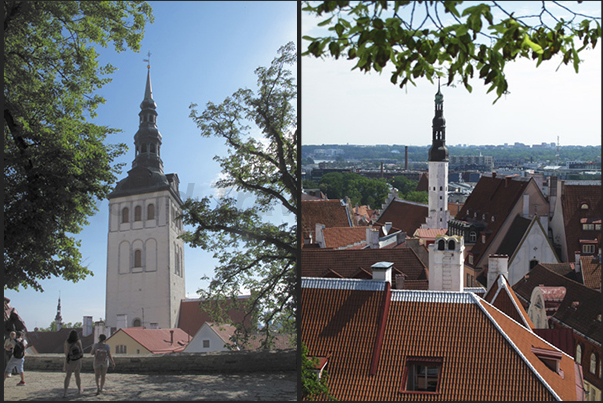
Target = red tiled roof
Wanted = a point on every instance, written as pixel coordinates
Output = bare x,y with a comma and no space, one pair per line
225,332
405,215
347,262
571,200
337,237
485,355
429,233
328,212
423,185
157,341
193,314
495,197
591,271
502,296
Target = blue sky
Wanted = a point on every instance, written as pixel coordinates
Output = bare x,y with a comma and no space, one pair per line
200,52
341,106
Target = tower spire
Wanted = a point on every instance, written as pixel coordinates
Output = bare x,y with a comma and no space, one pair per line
438,150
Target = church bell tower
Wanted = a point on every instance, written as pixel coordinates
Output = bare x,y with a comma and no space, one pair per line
438,169
145,257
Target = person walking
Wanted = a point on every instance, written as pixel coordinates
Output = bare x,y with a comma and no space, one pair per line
102,355
17,359
9,344
74,353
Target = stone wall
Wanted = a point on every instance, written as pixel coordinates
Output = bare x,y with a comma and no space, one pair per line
179,363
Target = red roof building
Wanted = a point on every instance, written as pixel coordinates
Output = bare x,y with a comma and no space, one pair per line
139,340
383,345
330,213
195,312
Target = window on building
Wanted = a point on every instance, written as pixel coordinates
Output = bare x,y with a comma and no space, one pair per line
588,227
151,212
121,349
137,258
451,245
533,263
136,323
584,206
593,363
205,343
578,353
125,215
144,148
137,213
441,244
470,258
588,249
472,236
421,374
468,284
153,148
598,227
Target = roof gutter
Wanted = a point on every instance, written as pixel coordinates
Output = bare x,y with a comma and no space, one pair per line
381,329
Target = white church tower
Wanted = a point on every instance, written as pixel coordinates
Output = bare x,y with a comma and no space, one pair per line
145,258
446,263
438,170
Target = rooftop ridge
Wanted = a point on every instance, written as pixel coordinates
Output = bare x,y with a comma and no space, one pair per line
510,341
343,284
453,297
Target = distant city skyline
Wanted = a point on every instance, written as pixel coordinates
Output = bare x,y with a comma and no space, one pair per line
344,106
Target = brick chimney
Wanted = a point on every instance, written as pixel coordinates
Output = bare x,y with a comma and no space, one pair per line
382,271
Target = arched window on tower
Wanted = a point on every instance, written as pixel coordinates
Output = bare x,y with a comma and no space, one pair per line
137,213
125,215
578,353
451,244
151,212
137,258
152,148
136,323
144,148
441,244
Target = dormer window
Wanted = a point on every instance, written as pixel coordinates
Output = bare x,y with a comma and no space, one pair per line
584,206
421,375
550,358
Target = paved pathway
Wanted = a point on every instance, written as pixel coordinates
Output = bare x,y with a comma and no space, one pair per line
263,386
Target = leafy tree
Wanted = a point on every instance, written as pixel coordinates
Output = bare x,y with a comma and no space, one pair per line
359,189
412,36
253,252
55,162
403,184
416,196
312,387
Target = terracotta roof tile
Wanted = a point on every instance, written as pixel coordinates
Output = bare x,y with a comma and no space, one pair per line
405,215
340,320
158,341
502,296
347,262
429,233
590,267
331,213
337,237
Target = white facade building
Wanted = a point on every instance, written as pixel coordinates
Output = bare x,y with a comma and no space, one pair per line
145,257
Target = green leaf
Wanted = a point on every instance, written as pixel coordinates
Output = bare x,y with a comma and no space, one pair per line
534,46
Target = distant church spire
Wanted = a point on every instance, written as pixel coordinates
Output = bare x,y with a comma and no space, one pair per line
438,150
59,319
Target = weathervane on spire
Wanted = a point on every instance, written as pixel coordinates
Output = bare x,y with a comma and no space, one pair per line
148,60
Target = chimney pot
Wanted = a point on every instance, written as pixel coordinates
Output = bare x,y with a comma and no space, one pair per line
382,271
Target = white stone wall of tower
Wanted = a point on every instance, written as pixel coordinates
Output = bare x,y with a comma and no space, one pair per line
154,286
438,195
